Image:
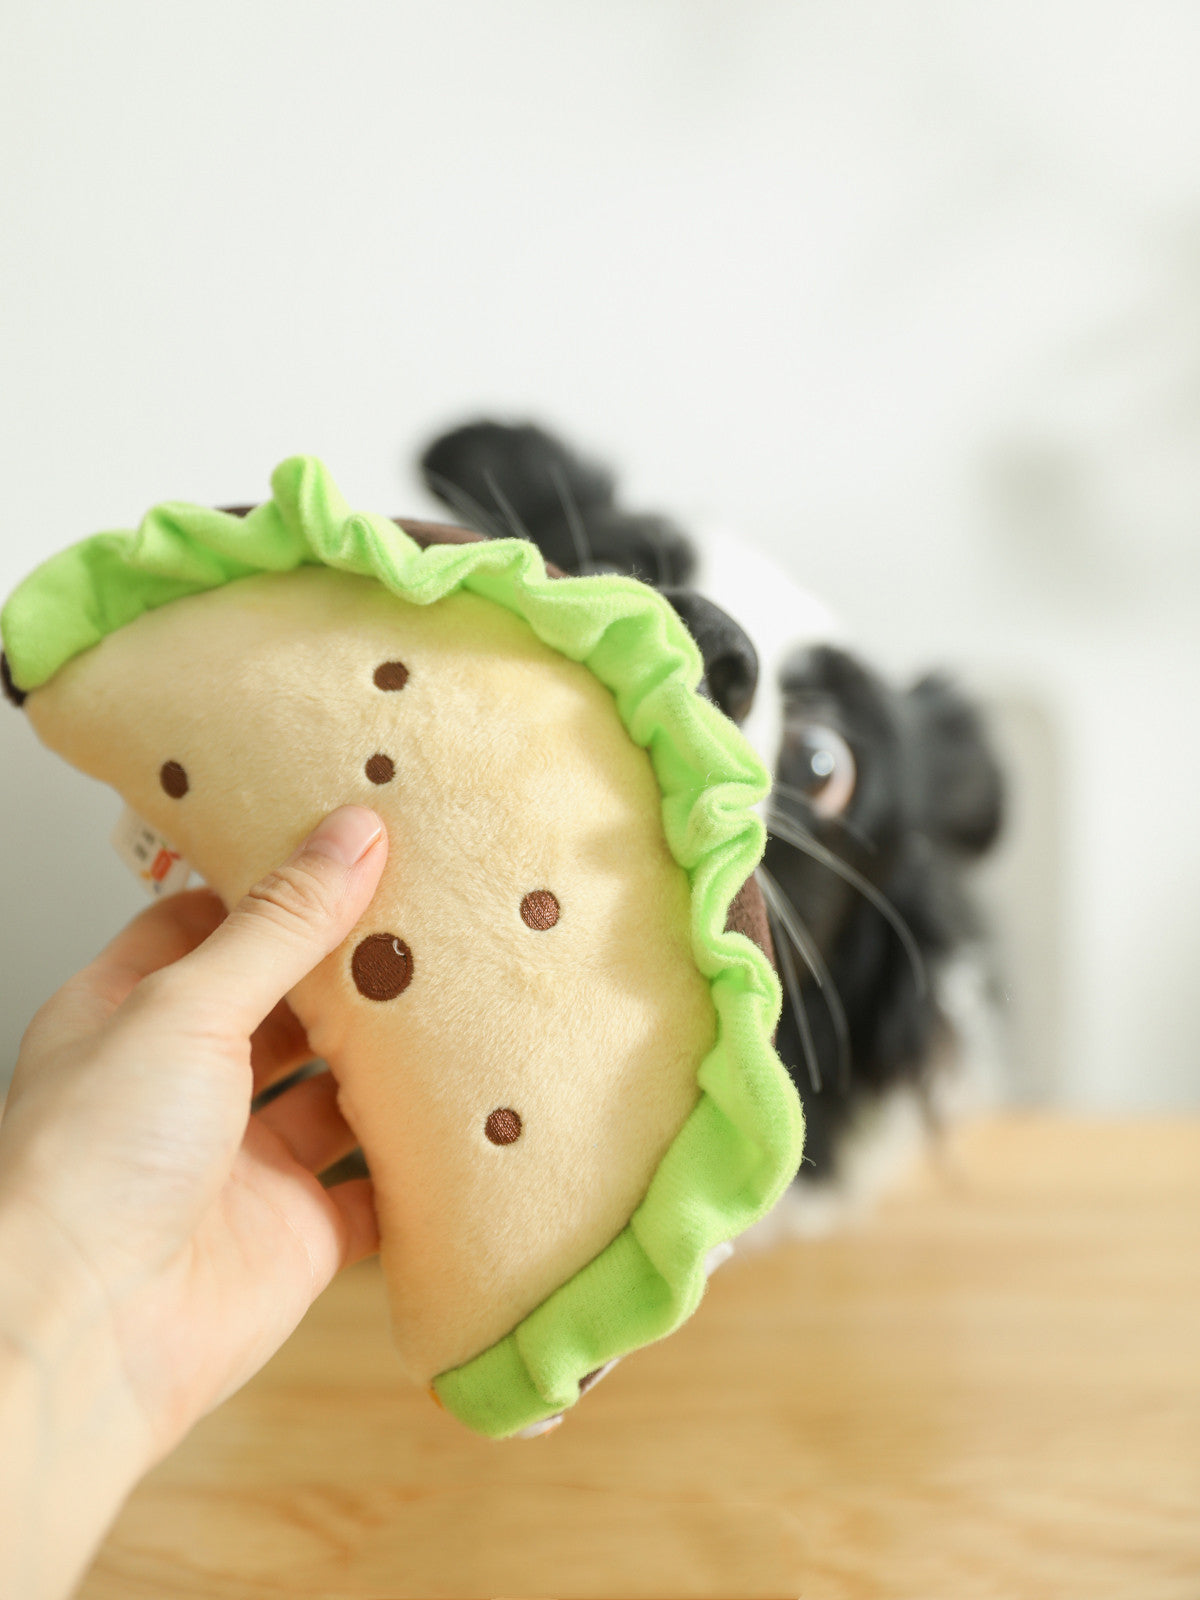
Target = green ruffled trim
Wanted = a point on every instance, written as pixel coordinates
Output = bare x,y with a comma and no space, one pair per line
741,1144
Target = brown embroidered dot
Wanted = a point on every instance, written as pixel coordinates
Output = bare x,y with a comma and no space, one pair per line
381,769
174,779
503,1126
539,910
382,966
391,675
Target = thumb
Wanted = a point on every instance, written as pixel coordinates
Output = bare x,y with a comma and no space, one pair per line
288,922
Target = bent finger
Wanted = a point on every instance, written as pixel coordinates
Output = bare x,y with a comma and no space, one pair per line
306,1117
164,932
277,1047
157,937
354,1202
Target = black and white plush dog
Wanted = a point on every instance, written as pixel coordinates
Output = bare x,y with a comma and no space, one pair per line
882,797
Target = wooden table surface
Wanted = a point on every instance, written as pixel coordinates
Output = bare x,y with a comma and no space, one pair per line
990,1389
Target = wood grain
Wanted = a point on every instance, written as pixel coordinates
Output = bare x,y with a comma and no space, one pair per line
992,1389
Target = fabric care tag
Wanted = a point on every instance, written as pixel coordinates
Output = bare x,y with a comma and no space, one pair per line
161,869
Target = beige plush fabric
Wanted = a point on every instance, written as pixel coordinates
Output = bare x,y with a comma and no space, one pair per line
511,776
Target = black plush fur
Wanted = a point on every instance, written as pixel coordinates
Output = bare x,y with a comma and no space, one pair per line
877,894
11,692
500,478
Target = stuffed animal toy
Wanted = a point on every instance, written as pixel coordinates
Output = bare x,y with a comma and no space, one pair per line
552,1032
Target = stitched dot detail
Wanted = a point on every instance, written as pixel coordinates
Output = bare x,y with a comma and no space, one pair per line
539,910
503,1126
381,768
174,779
381,966
391,675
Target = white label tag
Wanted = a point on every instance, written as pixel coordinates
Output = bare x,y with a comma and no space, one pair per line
161,869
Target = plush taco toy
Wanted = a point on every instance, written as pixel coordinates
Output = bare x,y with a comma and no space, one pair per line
549,1035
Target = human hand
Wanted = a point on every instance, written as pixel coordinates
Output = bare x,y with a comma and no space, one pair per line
150,1227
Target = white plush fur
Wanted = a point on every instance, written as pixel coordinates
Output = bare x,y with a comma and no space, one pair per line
513,773
779,616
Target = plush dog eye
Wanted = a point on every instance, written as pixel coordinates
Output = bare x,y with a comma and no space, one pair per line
821,765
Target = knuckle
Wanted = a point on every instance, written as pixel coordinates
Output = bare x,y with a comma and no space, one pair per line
162,996
293,897
162,988
43,1021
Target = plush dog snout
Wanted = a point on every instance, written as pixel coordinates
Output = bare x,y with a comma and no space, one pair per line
730,659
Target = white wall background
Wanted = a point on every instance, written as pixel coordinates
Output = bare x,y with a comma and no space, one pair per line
910,293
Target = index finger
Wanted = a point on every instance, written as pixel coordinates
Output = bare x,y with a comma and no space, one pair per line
162,934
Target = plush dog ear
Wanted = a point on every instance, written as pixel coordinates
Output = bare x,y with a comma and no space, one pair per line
505,479
475,468
964,791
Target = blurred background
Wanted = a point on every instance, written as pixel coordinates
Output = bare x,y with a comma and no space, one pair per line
907,295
